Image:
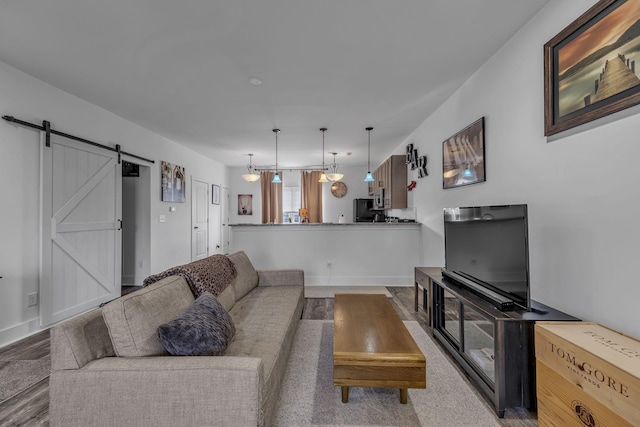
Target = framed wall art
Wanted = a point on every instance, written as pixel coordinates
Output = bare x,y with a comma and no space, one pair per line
130,169
463,157
172,182
245,202
215,194
591,68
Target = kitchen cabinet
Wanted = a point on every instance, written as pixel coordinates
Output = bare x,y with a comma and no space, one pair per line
371,186
391,176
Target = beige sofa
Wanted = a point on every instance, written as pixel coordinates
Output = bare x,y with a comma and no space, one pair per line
90,385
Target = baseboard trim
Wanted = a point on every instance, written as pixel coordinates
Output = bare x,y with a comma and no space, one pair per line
358,281
20,331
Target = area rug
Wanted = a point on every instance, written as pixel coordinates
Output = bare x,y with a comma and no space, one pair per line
309,398
330,291
18,375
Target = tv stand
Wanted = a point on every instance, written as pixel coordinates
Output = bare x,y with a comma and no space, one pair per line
495,348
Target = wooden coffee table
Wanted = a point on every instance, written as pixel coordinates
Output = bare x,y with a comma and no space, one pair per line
372,347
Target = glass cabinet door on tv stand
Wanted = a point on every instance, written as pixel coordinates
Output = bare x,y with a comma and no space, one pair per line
468,331
478,342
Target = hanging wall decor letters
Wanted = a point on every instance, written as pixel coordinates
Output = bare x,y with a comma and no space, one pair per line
416,162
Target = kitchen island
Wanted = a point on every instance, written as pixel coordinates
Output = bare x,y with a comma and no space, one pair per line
335,254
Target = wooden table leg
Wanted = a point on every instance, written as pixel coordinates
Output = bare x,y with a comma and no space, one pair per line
403,396
345,394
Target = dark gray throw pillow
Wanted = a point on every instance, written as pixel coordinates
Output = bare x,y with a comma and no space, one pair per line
202,329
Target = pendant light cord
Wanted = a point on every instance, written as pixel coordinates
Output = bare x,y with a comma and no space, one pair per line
369,129
323,131
276,131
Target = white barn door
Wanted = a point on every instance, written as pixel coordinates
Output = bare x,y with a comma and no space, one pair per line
81,236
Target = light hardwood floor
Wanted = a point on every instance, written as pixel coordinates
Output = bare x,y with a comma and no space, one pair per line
31,407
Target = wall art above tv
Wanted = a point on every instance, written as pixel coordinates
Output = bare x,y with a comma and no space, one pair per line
463,157
591,68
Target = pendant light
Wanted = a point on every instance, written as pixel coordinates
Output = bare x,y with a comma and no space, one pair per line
369,177
252,176
276,177
323,176
334,175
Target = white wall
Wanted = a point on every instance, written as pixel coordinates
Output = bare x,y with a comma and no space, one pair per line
359,254
32,100
333,207
581,190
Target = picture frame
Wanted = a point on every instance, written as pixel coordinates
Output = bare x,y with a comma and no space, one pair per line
130,169
172,182
245,204
215,194
463,157
590,66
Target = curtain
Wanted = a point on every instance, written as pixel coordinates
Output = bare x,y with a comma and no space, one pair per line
271,198
311,195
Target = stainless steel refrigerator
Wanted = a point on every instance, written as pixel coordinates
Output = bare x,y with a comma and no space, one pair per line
363,210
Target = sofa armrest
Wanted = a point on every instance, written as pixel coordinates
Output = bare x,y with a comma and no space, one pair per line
159,391
280,277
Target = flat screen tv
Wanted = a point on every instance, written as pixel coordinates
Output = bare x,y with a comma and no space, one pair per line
487,251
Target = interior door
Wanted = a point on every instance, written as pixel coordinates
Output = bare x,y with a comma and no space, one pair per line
215,219
224,216
199,220
81,206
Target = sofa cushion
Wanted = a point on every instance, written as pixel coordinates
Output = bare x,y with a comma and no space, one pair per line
227,297
266,320
247,277
133,319
202,329
78,341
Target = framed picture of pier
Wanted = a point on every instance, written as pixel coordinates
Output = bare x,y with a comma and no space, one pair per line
592,67
463,157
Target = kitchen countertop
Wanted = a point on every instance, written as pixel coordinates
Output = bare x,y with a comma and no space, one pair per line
356,224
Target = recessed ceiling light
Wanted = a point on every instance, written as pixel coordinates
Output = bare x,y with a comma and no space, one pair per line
255,81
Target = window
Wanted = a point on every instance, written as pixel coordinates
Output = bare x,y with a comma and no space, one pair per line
290,204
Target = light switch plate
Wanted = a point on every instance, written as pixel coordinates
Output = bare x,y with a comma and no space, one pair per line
32,299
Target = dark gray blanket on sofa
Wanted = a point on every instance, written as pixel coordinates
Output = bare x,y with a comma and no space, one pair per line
212,274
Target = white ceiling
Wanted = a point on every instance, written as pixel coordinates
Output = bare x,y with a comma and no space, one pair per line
182,68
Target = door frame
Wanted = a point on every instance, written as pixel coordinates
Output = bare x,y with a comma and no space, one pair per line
143,231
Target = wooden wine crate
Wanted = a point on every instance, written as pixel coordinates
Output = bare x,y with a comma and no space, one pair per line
587,375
